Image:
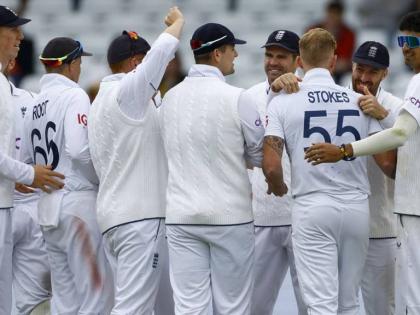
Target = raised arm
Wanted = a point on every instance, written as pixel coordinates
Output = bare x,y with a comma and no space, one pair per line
140,85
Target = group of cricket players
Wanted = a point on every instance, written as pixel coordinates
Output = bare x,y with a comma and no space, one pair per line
200,201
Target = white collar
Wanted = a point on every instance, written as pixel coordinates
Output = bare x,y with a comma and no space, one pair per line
53,79
114,77
318,75
205,71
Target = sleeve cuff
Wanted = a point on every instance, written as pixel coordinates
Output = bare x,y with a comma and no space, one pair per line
28,176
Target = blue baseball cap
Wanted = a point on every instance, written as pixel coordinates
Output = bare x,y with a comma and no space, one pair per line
211,36
284,39
372,54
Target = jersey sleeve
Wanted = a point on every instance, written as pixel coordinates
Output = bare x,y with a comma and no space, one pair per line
274,123
412,99
140,85
76,134
15,170
252,129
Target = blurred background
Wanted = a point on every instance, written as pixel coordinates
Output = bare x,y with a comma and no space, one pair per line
95,22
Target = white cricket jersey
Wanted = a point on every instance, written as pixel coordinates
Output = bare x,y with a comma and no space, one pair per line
209,130
381,201
269,210
24,102
56,132
322,112
407,179
11,170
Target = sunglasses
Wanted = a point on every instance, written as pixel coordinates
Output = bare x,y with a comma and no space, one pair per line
411,41
58,61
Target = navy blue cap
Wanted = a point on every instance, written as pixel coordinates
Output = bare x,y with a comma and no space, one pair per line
372,54
9,18
284,39
64,48
211,36
127,45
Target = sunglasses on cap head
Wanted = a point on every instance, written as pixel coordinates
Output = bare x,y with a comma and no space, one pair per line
131,34
58,61
411,41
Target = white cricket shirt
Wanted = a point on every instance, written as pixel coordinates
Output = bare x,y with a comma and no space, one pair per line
55,133
269,210
407,180
322,112
24,102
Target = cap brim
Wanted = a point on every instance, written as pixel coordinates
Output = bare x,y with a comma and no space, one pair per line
281,46
85,53
17,22
239,41
369,63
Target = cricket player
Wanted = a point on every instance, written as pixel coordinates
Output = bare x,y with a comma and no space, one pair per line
31,270
128,155
210,130
404,134
370,68
329,252
272,217
12,170
55,133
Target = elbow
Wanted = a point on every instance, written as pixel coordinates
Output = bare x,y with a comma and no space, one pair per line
401,136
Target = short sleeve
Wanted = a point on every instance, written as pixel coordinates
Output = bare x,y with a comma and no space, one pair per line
274,121
412,98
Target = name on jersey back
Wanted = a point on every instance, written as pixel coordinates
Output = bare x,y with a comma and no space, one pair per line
39,110
328,97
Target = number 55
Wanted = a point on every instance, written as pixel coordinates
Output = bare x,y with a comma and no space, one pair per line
340,130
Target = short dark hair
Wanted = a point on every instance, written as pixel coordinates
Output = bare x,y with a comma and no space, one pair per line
335,6
411,22
205,58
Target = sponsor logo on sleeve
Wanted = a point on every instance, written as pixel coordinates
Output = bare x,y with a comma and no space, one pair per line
415,101
82,119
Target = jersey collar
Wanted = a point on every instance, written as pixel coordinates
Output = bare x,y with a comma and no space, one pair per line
114,77
318,76
205,71
55,79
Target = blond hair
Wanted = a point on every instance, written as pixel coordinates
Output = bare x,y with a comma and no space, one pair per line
317,46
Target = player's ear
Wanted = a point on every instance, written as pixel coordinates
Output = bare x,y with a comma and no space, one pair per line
384,75
332,64
299,62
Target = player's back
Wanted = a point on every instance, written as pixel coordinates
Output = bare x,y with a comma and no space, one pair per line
45,134
324,112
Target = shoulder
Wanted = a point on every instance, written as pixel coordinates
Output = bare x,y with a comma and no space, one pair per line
76,94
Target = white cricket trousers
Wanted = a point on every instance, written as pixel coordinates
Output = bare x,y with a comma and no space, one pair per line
378,281
134,251
6,246
165,297
408,266
211,262
31,269
330,242
80,275
273,257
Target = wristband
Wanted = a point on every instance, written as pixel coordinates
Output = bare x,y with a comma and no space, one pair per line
344,153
